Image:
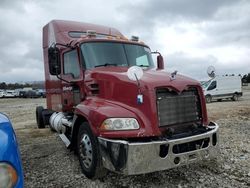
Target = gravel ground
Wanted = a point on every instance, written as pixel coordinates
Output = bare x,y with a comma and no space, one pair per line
47,162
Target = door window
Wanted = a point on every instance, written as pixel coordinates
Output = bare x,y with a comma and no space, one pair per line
71,65
212,86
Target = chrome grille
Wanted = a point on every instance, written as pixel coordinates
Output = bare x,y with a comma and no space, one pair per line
175,108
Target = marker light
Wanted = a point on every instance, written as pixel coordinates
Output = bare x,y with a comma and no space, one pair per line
134,38
91,33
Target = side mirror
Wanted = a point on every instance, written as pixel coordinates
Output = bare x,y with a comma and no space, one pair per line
160,62
54,61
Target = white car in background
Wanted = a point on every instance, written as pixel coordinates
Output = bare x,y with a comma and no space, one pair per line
9,94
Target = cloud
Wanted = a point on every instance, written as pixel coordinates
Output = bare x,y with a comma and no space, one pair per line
190,34
188,65
168,11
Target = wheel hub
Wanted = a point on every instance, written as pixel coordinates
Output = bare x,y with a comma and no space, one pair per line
86,152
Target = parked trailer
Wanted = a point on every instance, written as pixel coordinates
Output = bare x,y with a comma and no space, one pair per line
115,108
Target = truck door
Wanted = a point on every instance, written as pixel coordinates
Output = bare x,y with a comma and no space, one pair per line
212,88
71,74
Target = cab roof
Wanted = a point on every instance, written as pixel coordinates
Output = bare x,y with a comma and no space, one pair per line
62,31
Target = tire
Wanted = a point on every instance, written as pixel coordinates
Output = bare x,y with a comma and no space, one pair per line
208,99
89,154
39,117
235,97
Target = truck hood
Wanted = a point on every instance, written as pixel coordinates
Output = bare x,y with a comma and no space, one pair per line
150,80
117,96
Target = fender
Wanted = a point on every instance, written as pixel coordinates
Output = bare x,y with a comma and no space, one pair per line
95,110
9,150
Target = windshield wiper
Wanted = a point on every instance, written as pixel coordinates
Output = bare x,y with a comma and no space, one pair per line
106,64
143,65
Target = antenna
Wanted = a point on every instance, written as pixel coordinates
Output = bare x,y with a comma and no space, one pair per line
211,71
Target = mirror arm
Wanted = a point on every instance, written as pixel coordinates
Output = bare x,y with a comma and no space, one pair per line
156,52
64,45
63,79
138,84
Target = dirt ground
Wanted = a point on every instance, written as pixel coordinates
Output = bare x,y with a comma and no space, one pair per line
47,162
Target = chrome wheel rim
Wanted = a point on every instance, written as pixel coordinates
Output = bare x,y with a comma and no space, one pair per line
86,152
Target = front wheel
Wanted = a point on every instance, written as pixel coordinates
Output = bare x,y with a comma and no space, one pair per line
88,153
208,99
235,97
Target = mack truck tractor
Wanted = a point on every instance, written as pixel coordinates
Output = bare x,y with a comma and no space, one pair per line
117,109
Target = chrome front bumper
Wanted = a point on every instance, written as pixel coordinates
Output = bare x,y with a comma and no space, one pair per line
143,157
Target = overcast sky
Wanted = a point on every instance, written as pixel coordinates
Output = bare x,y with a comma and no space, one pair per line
190,34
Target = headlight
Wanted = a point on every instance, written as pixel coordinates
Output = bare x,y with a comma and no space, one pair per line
120,124
8,175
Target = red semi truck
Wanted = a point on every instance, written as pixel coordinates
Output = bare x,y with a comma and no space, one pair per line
115,108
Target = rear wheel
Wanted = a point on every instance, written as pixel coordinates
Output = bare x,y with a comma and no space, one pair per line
88,153
208,98
235,97
39,117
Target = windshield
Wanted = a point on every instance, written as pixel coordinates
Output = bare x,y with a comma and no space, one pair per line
96,54
205,84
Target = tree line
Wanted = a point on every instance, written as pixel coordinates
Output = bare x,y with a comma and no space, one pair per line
40,85
246,78
12,86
